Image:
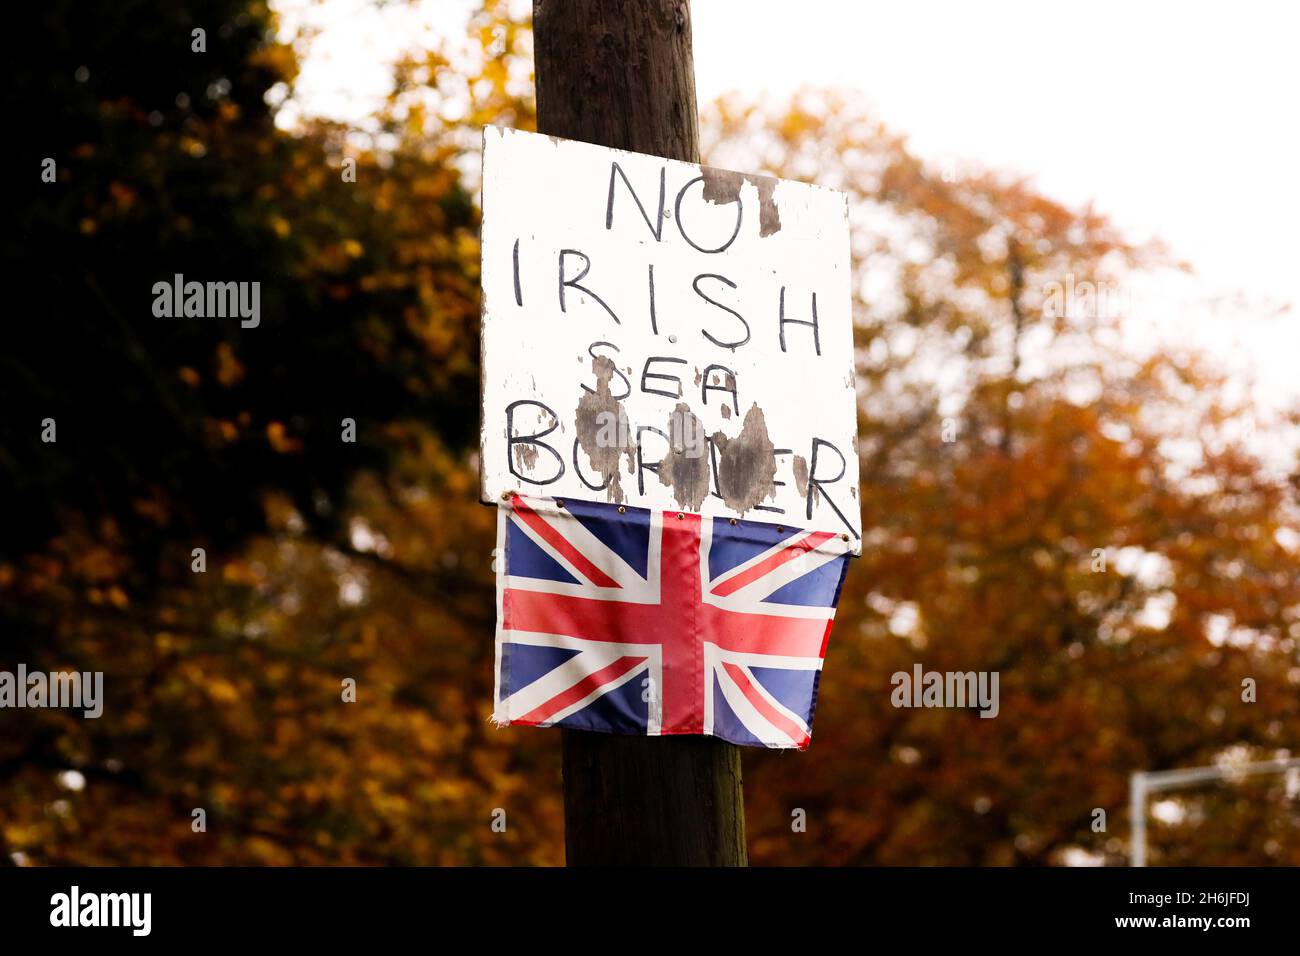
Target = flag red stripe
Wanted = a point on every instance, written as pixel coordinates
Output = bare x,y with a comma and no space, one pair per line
810,542
626,623
587,618
761,704
764,633
580,690
557,541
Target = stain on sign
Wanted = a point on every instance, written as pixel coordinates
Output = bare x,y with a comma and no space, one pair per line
666,335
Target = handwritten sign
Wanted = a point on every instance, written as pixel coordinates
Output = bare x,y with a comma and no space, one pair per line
665,335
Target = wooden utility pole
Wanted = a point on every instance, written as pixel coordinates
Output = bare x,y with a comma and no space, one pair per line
620,73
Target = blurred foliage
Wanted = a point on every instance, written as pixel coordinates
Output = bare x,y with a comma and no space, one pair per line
1002,443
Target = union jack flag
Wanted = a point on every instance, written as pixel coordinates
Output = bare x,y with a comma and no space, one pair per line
631,621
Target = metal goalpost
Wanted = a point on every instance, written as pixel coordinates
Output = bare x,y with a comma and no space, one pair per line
1143,783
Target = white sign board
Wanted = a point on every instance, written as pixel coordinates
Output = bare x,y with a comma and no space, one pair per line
666,335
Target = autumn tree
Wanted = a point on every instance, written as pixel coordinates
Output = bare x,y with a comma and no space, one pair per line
233,522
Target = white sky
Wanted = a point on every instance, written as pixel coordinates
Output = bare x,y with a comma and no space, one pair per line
1179,120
